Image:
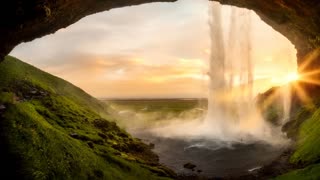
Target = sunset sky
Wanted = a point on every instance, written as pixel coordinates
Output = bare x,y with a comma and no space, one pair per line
151,50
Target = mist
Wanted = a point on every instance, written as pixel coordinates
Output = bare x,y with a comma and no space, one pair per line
228,131
230,115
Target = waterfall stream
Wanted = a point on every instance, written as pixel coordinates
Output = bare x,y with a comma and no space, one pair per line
232,113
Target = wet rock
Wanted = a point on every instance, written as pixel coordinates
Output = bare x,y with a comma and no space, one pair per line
90,144
98,141
2,107
151,145
137,147
43,93
98,173
122,134
102,135
33,92
105,125
189,166
74,135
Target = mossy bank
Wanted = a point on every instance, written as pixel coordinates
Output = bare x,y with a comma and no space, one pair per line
302,161
50,129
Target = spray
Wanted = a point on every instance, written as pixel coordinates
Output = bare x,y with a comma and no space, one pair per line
231,116
232,113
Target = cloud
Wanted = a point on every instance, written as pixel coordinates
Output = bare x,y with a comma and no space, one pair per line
156,30
156,49
109,75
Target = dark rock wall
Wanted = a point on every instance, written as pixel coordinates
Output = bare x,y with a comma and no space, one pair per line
25,20
298,20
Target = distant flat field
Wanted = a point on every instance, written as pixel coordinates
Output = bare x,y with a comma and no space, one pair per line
159,105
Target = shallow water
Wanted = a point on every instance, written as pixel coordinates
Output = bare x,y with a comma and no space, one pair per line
213,158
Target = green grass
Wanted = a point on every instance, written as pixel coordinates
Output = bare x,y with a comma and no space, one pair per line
156,105
308,144
51,129
15,73
311,172
6,97
293,127
305,128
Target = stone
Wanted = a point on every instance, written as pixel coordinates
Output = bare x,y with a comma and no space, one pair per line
102,135
189,166
33,92
74,135
151,145
2,107
90,144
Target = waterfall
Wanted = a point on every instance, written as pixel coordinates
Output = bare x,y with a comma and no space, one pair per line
231,107
232,115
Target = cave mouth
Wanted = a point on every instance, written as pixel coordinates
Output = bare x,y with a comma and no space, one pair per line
166,58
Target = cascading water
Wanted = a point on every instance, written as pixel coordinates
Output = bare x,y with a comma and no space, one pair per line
231,107
232,115
233,138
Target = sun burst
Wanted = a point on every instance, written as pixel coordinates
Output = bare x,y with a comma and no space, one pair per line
306,77
298,83
292,77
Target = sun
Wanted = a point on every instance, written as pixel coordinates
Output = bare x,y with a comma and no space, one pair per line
285,78
292,77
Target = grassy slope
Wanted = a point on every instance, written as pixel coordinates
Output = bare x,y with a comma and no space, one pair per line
308,145
304,128
51,129
307,150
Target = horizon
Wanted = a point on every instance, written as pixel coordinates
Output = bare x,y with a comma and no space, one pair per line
149,98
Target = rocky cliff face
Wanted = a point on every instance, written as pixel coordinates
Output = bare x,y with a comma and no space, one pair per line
22,20
298,20
25,20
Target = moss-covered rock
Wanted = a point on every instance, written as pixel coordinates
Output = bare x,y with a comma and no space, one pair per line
270,103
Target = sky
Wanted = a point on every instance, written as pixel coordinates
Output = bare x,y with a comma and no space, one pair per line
151,50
